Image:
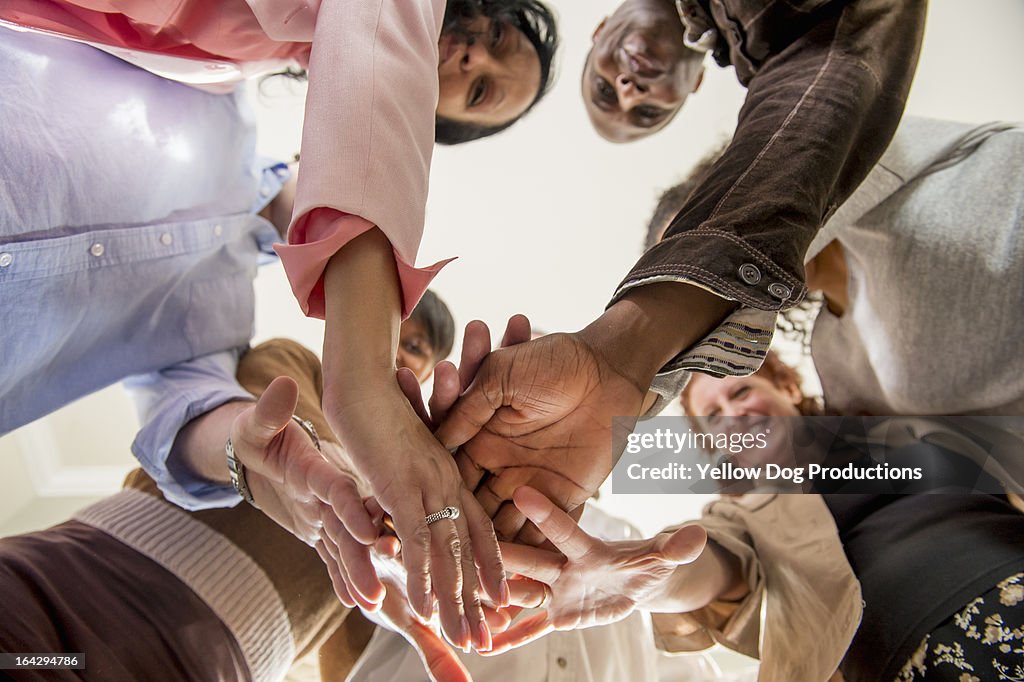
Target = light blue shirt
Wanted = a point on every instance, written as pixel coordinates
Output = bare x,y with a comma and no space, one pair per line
128,241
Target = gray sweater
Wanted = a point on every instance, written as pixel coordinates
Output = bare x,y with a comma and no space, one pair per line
935,251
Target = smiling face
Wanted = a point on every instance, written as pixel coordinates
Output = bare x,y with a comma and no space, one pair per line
639,71
489,73
747,405
749,396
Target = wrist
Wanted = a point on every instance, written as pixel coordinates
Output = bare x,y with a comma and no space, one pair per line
715,576
651,324
198,450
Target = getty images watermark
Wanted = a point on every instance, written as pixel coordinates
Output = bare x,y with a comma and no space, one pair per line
861,455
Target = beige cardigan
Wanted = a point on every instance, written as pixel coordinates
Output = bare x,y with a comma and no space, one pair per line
801,585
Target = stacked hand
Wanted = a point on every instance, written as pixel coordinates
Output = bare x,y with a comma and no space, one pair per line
410,476
541,414
289,477
591,582
338,552
317,499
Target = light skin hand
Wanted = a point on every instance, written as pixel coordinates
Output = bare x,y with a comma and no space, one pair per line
406,470
289,479
438,657
448,383
594,582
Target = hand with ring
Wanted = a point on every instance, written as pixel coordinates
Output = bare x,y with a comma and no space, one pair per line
456,523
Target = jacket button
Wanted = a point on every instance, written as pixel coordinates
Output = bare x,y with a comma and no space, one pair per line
779,291
750,274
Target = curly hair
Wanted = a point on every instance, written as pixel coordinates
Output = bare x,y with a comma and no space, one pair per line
537,23
778,373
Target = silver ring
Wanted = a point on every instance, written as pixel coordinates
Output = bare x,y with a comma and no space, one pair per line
446,513
308,427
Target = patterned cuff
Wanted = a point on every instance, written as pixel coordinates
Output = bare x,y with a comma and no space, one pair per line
736,347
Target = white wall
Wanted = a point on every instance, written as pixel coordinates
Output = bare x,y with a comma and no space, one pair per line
545,218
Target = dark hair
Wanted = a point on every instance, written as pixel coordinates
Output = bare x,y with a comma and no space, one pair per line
537,23
671,200
437,320
796,323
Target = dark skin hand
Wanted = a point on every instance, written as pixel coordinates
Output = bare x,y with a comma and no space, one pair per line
542,413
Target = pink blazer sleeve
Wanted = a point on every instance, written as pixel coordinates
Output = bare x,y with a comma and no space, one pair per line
367,139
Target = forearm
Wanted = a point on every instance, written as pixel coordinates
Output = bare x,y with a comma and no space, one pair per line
650,325
813,124
169,445
363,307
279,210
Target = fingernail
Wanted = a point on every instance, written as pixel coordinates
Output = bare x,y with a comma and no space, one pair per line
465,642
485,637
503,589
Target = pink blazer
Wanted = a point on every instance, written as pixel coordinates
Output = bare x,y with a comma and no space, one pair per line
368,133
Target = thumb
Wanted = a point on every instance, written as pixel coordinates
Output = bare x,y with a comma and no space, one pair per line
258,425
684,546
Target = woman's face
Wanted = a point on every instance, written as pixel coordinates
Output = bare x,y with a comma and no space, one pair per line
752,401
488,77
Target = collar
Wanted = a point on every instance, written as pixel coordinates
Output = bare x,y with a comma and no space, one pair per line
706,41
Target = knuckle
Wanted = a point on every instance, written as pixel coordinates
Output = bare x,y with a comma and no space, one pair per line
453,545
421,534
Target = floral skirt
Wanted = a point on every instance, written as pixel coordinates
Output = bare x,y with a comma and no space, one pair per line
983,641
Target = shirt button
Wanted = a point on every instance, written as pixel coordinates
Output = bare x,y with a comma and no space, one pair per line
562,663
750,274
166,239
97,249
264,191
779,291
6,259
218,230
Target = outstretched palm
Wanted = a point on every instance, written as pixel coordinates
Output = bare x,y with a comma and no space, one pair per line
592,582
